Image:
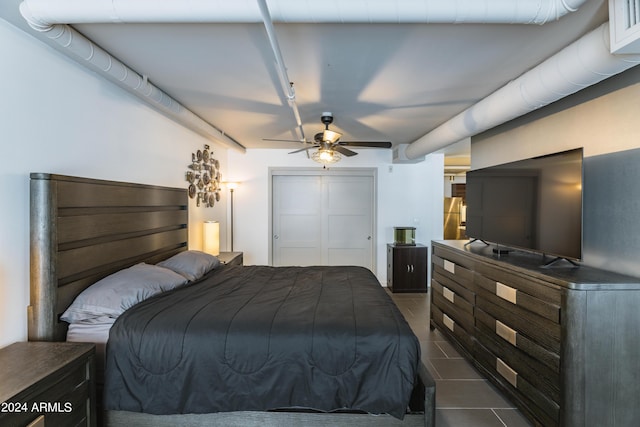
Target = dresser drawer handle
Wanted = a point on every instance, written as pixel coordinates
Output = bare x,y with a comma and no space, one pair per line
506,333
448,294
448,322
506,371
506,292
450,267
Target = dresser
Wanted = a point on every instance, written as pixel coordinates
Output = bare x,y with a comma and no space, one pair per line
407,268
47,384
562,341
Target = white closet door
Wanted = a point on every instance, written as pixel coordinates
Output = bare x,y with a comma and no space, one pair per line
347,220
297,205
323,220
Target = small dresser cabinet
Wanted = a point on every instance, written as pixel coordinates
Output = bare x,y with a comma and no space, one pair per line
561,341
47,384
407,268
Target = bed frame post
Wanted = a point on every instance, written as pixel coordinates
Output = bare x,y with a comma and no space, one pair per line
43,262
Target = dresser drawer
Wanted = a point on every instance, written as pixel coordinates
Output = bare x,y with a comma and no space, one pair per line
543,408
453,256
452,328
518,340
537,374
453,295
460,311
521,284
542,331
520,298
461,283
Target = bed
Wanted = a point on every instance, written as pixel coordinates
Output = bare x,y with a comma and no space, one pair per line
85,231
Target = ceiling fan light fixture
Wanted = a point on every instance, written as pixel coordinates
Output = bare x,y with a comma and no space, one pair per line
326,156
331,136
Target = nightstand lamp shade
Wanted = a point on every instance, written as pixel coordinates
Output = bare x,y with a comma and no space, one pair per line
211,237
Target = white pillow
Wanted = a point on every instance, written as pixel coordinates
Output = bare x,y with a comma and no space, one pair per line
191,264
114,294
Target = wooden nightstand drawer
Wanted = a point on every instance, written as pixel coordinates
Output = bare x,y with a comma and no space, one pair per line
53,380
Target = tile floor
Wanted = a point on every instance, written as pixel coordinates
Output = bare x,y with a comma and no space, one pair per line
463,397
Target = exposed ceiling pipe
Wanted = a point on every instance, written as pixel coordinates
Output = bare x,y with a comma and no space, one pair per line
47,12
287,85
43,14
583,63
89,54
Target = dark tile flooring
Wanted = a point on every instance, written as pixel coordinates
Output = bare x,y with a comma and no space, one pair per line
463,397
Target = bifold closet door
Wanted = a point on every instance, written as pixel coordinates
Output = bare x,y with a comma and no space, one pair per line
323,220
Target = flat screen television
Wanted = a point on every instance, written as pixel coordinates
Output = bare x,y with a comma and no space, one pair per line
533,204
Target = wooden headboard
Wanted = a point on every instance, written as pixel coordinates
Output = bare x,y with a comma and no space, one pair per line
85,229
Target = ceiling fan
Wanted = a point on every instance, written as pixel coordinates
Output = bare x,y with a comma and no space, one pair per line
329,145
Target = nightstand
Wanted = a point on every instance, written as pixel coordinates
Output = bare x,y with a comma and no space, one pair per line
407,268
47,384
231,258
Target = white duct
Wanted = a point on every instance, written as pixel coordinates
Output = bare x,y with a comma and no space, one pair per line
549,80
583,63
43,13
87,53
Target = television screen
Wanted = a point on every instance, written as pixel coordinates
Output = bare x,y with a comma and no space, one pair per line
533,204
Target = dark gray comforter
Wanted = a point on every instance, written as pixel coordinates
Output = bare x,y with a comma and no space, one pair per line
263,338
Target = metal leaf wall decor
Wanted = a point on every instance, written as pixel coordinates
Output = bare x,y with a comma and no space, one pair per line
204,178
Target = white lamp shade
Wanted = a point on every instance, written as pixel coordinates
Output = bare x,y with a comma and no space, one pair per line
211,238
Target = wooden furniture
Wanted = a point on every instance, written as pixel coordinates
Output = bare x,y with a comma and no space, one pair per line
50,382
407,268
85,229
231,258
562,342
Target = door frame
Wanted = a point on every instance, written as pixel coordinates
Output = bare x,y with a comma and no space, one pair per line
314,171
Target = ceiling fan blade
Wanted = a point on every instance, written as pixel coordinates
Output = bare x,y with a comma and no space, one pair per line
344,151
372,144
283,140
304,149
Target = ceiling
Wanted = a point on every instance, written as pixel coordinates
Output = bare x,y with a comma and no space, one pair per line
382,82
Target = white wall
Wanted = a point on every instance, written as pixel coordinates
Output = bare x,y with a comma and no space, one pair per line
603,119
408,194
57,117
